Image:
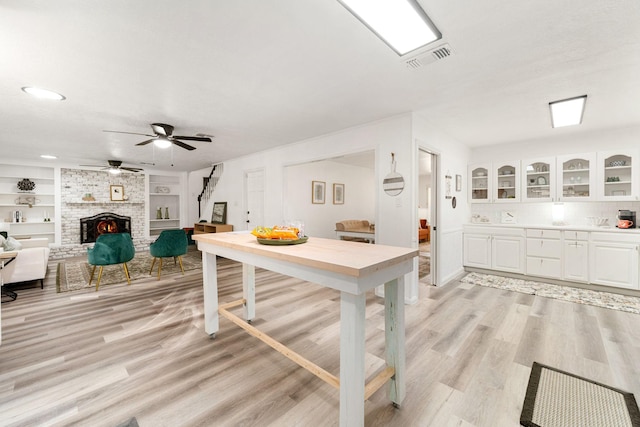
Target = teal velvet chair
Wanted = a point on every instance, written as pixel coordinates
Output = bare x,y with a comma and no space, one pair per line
112,248
170,243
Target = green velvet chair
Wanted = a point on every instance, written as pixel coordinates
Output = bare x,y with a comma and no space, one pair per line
170,243
112,248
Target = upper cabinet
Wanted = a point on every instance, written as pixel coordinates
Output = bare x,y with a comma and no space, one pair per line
538,180
506,182
618,175
494,183
576,177
479,183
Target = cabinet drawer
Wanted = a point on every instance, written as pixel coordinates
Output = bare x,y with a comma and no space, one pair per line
544,267
544,248
576,235
542,233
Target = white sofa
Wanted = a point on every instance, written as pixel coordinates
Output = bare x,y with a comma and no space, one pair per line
30,264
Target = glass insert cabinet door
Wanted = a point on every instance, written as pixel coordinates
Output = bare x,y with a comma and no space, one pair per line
538,177
617,177
479,185
576,177
506,182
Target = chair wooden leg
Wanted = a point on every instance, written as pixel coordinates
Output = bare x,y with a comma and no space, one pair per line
159,268
181,267
126,272
152,264
93,270
99,277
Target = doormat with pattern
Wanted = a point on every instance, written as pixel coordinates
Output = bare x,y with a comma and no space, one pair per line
566,293
560,399
74,275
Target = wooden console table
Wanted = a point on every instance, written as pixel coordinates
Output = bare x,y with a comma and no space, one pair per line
348,267
207,227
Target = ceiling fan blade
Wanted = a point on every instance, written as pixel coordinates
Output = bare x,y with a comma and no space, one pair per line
183,145
128,133
148,141
194,138
93,166
131,169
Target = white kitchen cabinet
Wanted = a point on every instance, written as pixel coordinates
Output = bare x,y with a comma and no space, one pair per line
575,261
480,184
539,180
494,248
618,175
506,182
544,253
477,250
576,177
494,182
613,260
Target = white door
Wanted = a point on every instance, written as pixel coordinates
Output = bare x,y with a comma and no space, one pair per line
254,185
576,266
477,250
507,253
614,264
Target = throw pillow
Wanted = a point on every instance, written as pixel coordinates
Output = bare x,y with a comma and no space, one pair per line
11,244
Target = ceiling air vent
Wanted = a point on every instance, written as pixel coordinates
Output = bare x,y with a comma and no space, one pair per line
424,58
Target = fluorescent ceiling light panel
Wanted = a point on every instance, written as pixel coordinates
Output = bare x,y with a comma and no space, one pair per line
567,112
402,24
43,93
48,156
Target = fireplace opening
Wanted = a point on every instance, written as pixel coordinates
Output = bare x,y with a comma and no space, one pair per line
93,226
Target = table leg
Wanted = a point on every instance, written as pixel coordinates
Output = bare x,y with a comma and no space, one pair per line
394,337
352,340
249,291
210,284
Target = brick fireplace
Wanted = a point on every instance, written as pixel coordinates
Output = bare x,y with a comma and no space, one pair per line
76,184
103,223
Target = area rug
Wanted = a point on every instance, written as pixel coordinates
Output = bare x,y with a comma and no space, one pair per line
557,398
74,275
424,266
566,293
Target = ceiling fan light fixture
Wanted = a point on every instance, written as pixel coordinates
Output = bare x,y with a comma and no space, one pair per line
43,93
162,142
114,171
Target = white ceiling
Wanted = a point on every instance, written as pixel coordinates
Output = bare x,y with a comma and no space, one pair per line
262,73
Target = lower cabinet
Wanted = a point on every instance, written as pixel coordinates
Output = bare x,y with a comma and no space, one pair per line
575,260
544,253
597,257
494,249
613,260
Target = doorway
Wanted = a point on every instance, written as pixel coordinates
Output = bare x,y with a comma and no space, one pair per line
427,216
254,202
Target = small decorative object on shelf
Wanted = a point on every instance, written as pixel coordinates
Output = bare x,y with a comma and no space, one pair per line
26,185
166,213
88,198
159,213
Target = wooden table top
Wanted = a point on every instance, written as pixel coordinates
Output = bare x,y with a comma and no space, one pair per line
8,255
339,256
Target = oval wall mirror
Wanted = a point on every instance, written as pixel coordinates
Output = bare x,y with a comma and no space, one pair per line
393,183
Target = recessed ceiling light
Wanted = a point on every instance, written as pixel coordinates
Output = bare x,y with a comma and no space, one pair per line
567,112
48,156
402,24
43,93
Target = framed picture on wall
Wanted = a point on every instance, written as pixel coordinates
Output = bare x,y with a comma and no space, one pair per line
317,192
338,194
219,214
117,193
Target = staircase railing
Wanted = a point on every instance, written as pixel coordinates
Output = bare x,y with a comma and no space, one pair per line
209,184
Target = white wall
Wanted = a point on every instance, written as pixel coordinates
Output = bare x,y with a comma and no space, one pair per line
320,219
454,157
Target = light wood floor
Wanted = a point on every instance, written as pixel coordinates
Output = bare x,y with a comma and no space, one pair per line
98,359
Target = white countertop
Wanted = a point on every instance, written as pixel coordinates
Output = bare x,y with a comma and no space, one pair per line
568,227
